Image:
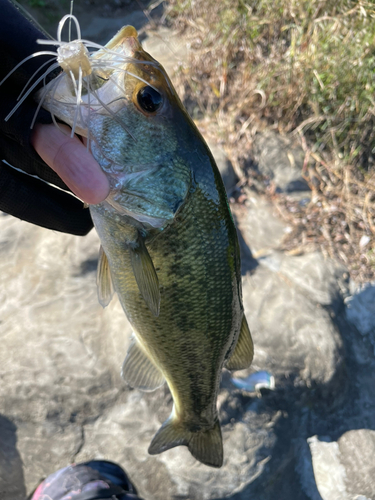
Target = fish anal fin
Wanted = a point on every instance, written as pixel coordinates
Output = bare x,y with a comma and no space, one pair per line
145,276
104,280
139,371
206,446
243,353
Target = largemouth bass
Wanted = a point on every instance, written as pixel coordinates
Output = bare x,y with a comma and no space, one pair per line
169,244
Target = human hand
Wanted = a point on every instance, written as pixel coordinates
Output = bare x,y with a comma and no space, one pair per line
68,163
69,158
31,189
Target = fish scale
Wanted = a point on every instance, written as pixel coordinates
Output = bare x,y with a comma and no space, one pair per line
170,247
196,324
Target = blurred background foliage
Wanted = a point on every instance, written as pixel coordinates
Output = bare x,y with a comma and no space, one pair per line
312,62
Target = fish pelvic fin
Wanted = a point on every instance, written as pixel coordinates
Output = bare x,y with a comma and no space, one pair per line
145,276
206,446
243,353
104,280
139,371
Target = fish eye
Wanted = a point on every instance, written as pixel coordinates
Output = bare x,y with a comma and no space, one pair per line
149,99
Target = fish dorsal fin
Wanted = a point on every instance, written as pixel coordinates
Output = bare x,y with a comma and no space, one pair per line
139,371
124,33
145,276
243,353
104,280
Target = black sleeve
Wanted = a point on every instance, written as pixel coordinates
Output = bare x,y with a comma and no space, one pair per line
23,196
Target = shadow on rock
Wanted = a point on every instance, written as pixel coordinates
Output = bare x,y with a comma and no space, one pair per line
248,263
88,266
12,484
310,441
274,422
356,401
325,440
360,310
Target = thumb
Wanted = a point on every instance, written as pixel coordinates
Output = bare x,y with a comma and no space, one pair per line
69,158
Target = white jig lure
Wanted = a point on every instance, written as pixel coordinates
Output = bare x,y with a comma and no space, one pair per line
89,66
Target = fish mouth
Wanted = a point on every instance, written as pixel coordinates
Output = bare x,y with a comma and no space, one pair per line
101,90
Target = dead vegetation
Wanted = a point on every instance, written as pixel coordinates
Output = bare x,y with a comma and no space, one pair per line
301,67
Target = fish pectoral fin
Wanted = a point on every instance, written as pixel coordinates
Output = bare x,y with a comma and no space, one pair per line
139,371
145,276
104,280
205,445
243,353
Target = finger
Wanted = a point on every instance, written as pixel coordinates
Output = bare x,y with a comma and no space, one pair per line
69,158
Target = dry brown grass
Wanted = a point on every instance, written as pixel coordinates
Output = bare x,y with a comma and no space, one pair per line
302,67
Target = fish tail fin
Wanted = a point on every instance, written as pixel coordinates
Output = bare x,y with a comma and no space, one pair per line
205,445
171,434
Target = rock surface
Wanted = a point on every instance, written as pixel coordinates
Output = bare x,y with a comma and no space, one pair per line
62,398
299,339
280,159
343,469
